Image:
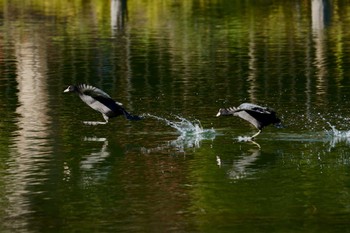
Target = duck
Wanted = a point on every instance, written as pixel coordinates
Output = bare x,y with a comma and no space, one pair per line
100,101
258,116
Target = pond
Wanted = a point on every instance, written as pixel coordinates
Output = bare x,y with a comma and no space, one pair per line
180,169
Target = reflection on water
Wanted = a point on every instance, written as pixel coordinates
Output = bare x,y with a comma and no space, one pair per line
96,157
252,82
186,58
92,165
241,168
31,145
320,13
118,14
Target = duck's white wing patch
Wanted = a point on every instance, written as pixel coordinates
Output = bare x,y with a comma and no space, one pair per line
93,103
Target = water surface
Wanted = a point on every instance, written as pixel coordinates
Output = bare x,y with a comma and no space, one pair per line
180,169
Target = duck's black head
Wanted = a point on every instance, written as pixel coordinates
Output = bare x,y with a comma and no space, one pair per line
71,88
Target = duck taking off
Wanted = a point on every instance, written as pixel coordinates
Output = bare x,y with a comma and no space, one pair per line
101,102
255,114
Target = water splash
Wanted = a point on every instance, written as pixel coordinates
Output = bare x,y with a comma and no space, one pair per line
337,136
191,132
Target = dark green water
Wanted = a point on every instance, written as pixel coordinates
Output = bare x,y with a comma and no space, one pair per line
181,169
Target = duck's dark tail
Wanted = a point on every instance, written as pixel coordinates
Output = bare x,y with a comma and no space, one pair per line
132,117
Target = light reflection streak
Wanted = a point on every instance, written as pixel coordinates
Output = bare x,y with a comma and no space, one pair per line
118,14
319,10
119,11
252,67
30,141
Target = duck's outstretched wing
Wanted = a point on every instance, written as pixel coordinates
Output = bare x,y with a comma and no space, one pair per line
99,100
92,91
110,108
102,102
254,108
257,115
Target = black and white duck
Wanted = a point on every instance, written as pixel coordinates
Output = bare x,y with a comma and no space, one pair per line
255,114
101,102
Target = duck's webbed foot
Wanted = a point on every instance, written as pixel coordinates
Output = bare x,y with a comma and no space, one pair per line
105,117
254,136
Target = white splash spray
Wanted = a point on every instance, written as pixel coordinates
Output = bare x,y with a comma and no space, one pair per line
191,132
337,136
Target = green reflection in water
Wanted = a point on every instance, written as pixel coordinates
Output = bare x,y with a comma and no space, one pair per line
187,58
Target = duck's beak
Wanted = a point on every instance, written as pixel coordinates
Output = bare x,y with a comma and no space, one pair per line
67,90
218,114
